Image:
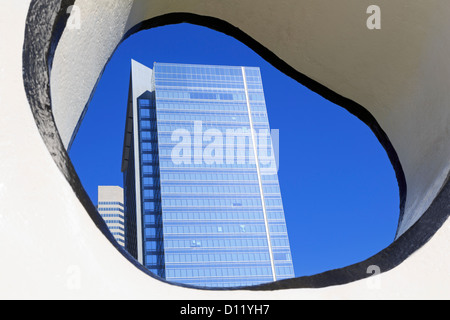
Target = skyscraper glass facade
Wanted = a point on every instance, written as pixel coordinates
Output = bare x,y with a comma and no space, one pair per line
211,207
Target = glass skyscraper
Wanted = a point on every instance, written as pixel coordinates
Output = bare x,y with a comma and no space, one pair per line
202,198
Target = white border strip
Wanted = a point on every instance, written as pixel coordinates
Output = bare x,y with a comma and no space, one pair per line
137,178
255,150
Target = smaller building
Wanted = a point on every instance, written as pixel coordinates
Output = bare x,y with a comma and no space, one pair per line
111,208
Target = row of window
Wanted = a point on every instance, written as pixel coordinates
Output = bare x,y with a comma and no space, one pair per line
148,147
214,183
117,228
215,194
151,206
149,135
147,124
203,118
178,72
271,188
110,203
183,72
202,79
118,235
207,189
218,257
110,215
226,228
174,68
191,106
235,200
267,164
243,112
228,215
230,172
254,86
180,95
172,126
226,145
110,209
196,86
190,77
228,163
217,243
151,219
231,229
149,169
258,117
152,232
145,103
189,150
284,271
223,202
279,228
217,272
197,77
239,136
216,106
269,175
198,164
211,171
153,260
211,214
214,95
209,176
149,181
231,283
152,245
162,67
273,202
280,242
109,222
190,162
149,193
204,273
281,256
162,84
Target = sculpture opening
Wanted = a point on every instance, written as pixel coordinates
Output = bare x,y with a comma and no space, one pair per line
339,193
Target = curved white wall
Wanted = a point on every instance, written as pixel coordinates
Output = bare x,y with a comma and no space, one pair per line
398,73
52,249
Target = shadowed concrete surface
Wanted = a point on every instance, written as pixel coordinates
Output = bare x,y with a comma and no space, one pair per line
55,245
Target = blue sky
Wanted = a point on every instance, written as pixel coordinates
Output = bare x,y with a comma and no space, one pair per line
339,189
